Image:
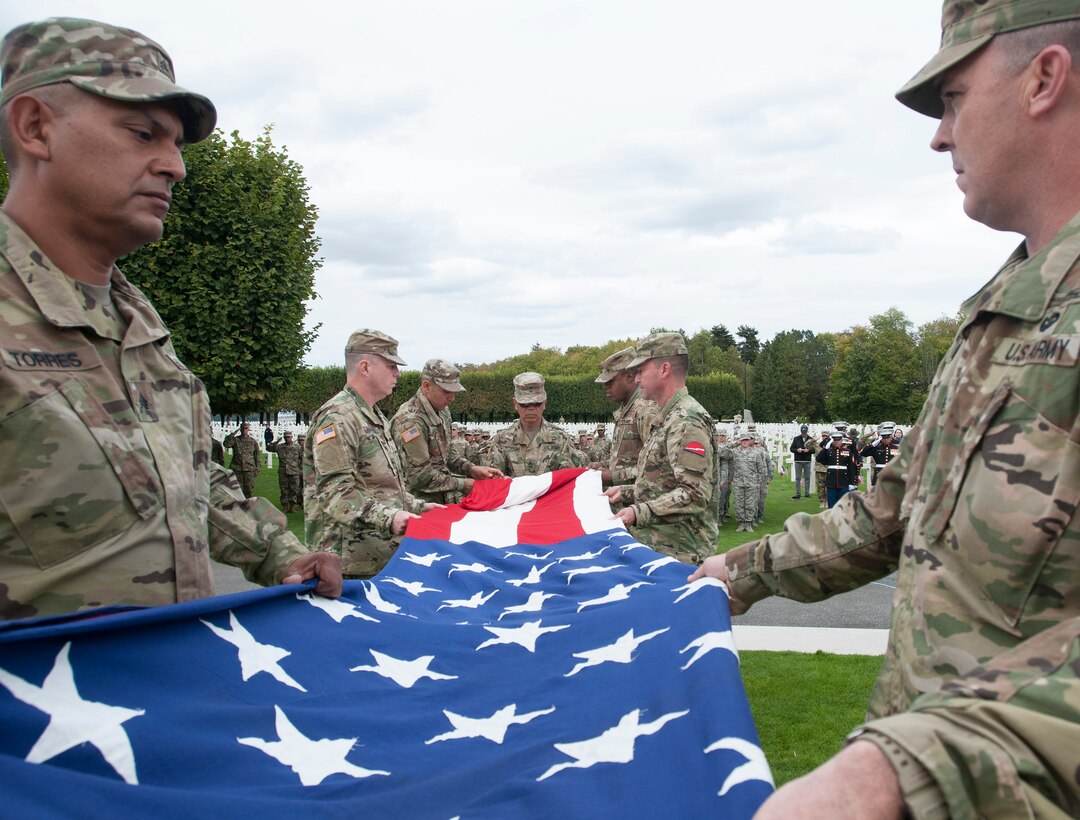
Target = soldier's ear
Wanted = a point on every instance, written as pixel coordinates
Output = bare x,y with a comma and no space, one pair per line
28,123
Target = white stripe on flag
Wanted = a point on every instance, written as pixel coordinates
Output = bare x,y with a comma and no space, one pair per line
496,528
527,488
591,505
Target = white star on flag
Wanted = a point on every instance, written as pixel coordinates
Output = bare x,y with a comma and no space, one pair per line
74,721
533,577
622,651
403,673
476,601
585,556
614,745
572,573
619,592
535,602
375,598
525,635
336,609
697,586
476,567
708,642
490,728
531,556
414,588
651,566
255,657
312,760
424,560
756,766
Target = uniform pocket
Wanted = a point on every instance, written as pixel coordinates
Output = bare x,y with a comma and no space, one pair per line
74,479
1018,497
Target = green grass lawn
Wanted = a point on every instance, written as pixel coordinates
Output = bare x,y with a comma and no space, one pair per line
804,705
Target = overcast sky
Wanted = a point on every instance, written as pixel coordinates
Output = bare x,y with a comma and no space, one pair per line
494,174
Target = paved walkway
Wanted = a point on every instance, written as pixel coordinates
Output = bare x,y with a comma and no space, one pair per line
812,639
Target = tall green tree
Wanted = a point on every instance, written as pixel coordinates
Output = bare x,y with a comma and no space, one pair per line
934,339
750,345
236,268
876,376
722,337
791,377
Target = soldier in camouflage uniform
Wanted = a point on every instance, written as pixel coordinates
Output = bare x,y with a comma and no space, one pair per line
748,476
355,501
821,472
670,504
290,472
531,446
245,458
421,431
633,417
976,712
600,452
724,471
108,495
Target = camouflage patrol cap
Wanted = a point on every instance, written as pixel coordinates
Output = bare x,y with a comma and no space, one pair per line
658,346
967,26
112,62
615,364
457,425
744,436
529,388
443,374
366,340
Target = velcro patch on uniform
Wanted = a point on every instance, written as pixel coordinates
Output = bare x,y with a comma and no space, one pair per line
410,435
325,434
695,447
1062,350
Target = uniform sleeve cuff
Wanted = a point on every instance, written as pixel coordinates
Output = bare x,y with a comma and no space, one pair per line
921,794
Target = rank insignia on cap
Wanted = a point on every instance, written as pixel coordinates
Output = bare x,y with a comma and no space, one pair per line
695,447
325,434
410,435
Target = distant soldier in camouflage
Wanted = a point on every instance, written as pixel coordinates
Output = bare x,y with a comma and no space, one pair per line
976,712
245,457
531,446
725,468
109,495
633,417
748,476
355,501
459,445
600,450
217,451
768,471
669,507
421,431
290,472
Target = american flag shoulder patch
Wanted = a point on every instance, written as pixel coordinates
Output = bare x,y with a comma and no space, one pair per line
325,434
695,447
410,435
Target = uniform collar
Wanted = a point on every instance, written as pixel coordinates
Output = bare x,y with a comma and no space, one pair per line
1024,287
59,299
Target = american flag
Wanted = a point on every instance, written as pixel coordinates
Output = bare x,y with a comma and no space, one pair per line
554,668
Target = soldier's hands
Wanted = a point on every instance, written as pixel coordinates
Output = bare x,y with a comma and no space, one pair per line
479,472
326,566
715,566
431,505
627,515
614,494
400,521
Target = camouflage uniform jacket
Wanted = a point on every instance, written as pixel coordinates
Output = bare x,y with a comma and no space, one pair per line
290,457
245,453
747,467
550,449
353,483
980,689
422,434
457,449
600,451
676,479
108,495
633,424
725,463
